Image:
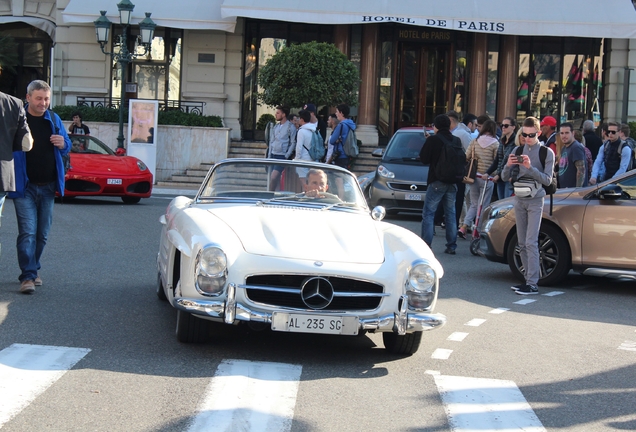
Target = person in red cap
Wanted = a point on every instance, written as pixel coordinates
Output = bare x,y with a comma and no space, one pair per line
548,132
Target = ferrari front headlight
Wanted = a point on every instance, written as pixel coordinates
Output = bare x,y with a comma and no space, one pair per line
142,166
421,287
211,271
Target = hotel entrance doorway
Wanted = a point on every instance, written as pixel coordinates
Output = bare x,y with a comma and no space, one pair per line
423,89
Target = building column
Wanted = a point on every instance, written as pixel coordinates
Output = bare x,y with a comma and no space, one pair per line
367,130
342,38
478,76
508,76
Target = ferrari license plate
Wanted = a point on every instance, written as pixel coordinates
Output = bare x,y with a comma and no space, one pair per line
113,181
413,197
325,324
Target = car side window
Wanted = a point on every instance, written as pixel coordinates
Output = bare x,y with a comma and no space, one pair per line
629,186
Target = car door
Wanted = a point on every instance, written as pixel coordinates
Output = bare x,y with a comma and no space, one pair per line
609,229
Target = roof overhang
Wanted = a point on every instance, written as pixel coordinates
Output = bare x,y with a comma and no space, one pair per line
573,18
183,14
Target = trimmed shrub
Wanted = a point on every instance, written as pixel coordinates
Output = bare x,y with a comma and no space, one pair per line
263,120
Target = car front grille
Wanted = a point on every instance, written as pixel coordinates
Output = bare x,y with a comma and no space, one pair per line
285,291
406,187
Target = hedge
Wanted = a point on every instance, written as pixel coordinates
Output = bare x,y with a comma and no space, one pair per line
111,115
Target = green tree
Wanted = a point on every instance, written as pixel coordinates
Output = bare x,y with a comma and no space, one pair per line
314,71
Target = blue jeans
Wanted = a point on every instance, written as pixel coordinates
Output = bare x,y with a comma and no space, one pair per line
504,189
436,192
34,214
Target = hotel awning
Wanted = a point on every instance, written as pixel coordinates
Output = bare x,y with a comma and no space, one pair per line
182,14
41,23
574,18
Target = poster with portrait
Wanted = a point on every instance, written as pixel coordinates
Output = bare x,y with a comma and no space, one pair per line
142,124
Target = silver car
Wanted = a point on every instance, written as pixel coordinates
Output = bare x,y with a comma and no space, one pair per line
399,183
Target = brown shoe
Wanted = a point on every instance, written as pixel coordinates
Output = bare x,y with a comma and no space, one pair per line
37,281
27,287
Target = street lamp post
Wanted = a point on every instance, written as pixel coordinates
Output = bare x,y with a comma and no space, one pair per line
124,56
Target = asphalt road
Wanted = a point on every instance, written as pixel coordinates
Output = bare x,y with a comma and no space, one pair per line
572,356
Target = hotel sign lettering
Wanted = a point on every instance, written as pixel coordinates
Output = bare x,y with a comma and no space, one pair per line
425,35
466,25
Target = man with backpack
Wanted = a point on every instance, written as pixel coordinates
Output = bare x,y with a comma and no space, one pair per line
532,173
309,144
613,157
337,152
444,154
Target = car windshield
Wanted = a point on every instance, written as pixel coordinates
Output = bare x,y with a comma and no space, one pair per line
297,182
89,145
405,146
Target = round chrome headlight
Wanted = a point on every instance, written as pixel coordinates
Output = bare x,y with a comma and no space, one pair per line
385,172
212,262
422,278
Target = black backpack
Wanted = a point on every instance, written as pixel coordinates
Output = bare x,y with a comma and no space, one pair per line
452,161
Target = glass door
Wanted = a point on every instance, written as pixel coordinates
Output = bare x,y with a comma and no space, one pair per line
423,90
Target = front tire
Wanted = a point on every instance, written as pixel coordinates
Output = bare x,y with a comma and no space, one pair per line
474,247
403,345
191,329
554,256
161,292
130,200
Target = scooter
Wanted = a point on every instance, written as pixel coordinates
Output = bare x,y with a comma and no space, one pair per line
474,243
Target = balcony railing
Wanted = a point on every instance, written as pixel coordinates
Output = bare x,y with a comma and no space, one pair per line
190,107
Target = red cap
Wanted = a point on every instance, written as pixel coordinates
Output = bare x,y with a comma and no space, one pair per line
548,121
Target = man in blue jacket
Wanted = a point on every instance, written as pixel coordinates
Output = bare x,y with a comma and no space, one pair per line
38,174
335,150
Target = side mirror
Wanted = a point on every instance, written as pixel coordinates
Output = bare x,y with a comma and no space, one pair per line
377,152
610,192
378,213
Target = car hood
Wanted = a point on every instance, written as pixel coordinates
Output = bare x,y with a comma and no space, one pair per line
103,164
308,234
408,172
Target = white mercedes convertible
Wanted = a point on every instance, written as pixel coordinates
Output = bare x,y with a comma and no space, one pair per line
292,246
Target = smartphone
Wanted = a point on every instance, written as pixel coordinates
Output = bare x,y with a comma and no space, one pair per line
520,159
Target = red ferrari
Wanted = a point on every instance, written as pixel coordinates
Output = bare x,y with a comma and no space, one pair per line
96,170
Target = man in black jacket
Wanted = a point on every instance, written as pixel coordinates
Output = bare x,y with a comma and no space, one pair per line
14,136
592,141
438,190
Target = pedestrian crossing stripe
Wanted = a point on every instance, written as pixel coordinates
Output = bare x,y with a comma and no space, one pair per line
480,404
26,371
255,395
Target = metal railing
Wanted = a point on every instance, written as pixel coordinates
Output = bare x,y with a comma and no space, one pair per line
190,107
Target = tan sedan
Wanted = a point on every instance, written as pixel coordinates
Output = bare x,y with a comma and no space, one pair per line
591,230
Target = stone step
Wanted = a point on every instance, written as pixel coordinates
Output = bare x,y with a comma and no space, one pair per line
196,172
177,185
188,179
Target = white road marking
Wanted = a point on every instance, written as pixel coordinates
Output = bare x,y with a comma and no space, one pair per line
628,346
457,336
26,371
480,404
553,293
441,354
249,396
525,301
499,310
475,322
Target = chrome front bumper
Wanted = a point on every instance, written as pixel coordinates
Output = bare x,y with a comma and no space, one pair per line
401,322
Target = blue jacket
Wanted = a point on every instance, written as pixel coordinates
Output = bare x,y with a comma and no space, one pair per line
19,158
341,132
